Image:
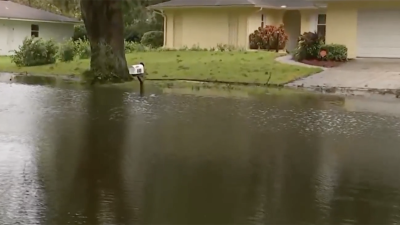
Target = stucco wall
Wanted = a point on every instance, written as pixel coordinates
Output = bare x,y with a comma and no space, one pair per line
341,21
206,28
13,33
209,27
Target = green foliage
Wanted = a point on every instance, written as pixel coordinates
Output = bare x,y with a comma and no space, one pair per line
334,52
308,46
82,49
79,33
34,52
225,48
154,39
66,51
266,37
139,20
134,47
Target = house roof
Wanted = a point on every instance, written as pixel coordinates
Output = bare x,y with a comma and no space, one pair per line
12,10
253,3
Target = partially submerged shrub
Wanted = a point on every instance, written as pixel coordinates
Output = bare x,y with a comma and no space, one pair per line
308,46
82,49
66,51
267,38
334,52
154,39
34,52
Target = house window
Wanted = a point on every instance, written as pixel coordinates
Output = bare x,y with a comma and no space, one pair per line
262,20
321,25
34,30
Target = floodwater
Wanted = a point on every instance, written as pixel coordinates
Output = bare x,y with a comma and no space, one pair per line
70,155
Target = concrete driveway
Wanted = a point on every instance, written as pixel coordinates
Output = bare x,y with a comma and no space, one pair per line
358,74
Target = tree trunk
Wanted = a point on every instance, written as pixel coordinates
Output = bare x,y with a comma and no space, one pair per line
104,25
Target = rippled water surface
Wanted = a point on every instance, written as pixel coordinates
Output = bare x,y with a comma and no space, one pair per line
71,155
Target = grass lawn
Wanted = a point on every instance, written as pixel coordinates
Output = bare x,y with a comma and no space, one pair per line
250,67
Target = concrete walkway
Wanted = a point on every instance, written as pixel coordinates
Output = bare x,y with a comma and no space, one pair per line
358,74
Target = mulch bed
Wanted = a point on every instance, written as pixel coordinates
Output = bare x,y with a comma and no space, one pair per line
327,64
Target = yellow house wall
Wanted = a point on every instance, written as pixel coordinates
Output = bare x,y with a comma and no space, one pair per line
306,17
207,28
271,17
341,21
275,17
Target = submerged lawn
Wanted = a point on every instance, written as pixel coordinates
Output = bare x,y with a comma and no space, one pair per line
251,67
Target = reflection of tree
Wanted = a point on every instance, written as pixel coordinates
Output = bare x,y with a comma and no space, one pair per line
86,162
286,157
60,151
101,158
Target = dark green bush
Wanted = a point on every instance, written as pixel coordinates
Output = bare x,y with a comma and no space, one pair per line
132,34
334,52
67,51
35,52
154,39
134,47
308,46
79,33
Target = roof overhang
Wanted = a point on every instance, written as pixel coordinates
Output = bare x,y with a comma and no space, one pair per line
316,6
198,7
40,21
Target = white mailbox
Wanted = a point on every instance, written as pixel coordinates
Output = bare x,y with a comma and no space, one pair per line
137,69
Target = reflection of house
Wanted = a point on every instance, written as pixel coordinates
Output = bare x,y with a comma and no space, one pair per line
382,105
210,22
18,22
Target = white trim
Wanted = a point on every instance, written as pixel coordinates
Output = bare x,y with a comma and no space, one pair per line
314,20
40,21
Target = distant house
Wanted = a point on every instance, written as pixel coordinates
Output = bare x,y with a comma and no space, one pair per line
18,22
210,22
369,28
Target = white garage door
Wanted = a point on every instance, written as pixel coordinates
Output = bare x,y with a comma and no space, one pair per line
378,33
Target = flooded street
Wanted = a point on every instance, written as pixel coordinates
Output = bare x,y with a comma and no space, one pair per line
70,155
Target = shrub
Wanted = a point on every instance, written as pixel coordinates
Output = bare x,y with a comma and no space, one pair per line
34,52
154,39
225,47
132,34
134,47
309,45
82,49
266,37
79,33
66,51
334,52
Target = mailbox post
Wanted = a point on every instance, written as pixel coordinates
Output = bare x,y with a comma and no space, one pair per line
138,72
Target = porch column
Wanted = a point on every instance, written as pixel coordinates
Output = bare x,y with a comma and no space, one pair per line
278,16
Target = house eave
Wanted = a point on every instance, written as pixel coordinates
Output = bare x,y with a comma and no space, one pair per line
231,6
199,7
40,21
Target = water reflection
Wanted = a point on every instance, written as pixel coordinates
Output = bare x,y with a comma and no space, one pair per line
108,156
